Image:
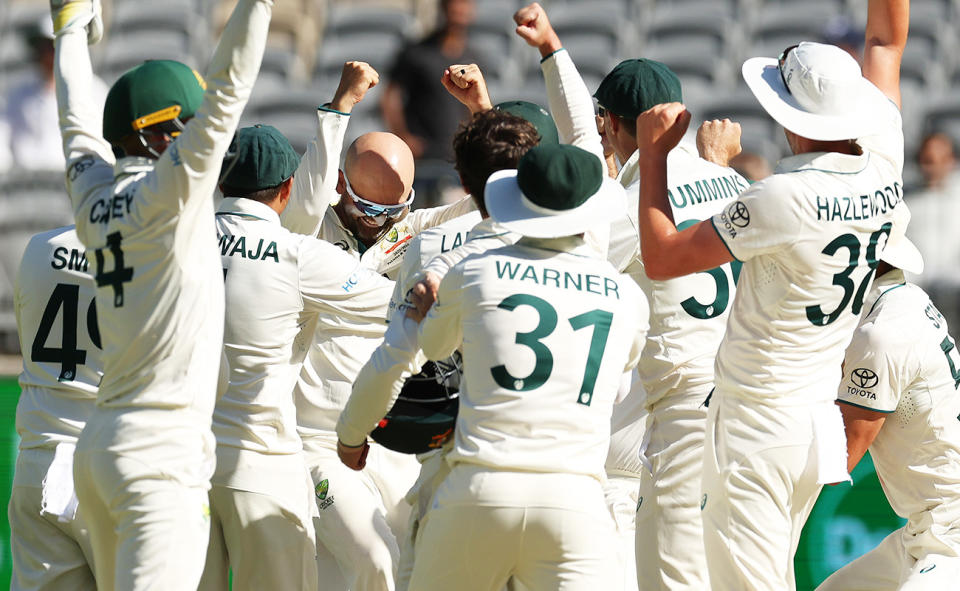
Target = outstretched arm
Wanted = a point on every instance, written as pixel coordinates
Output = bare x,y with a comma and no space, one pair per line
887,24
89,159
315,181
569,99
666,252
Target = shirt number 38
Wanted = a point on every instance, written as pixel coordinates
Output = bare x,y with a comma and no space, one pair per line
548,319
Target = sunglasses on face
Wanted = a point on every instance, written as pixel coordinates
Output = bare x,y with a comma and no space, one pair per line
782,61
371,209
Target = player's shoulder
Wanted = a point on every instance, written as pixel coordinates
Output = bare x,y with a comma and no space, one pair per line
901,316
62,236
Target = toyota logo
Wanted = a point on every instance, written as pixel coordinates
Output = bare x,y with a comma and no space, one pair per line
739,216
864,377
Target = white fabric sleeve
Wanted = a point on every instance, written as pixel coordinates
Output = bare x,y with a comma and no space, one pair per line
888,142
332,281
441,332
764,219
571,104
89,158
315,180
190,167
871,374
422,219
380,380
643,323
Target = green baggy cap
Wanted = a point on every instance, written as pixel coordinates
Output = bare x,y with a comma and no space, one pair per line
260,158
636,85
559,177
536,115
153,92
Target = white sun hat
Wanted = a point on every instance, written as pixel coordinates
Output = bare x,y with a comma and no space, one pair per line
899,251
816,91
556,190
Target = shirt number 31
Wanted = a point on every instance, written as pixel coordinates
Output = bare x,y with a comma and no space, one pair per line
600,320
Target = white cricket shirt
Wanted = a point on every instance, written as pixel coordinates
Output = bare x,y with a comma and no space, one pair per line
809,237
547,330
903,362
59,339
688,315
380,380
275,282
148,227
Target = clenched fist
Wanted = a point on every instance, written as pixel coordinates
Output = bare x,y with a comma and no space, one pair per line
535,28
465,82
719,141
357,78
660,129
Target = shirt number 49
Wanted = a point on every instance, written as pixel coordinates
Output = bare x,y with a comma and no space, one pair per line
600,320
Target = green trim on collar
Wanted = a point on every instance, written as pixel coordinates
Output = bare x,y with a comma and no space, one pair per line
720,235
886,412
885,292
804,167
552,53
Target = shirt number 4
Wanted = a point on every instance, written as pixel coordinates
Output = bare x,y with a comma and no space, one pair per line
119,275
599,319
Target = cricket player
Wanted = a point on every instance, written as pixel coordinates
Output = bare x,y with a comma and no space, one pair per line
360,514
493,140
144,460
275,281
899,398
62,367
773,432
658,488
527,456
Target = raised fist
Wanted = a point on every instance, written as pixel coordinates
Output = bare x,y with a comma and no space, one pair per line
719,141
465,82
535,28
660,129
357,78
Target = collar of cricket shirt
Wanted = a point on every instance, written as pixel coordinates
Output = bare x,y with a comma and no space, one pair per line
834,162
630,171
488,228
575,245
890,280
248,209
130,165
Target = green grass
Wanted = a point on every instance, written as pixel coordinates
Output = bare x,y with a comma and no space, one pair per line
9,395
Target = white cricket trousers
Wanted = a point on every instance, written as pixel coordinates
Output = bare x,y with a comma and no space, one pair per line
670,554
759,484
550,532
891,567
361,515
48,554
146,509
267,540
622,492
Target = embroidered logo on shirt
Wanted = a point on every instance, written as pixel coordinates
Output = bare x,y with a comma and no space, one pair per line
322,488
864,378
393,236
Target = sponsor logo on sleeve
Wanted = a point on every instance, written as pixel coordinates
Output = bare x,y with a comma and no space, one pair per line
863,380
734,217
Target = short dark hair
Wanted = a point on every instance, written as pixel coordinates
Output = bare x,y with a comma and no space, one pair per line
263,195
491,141
629,125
